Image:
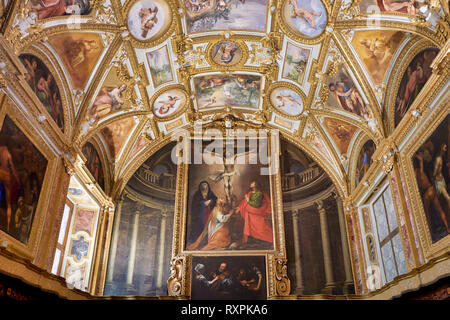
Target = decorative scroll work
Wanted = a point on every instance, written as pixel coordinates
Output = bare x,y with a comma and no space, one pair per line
282,282
175,282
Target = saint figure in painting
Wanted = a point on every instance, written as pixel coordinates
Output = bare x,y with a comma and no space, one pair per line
364,160
304,14
423,159
55,8
416,79
256,211
216,229
108,100
203,202
439,180
32,67
9,178
49,98
79,50
148,19
23,218
201,285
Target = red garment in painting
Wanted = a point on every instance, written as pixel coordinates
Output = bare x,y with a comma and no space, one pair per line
257,223
51,8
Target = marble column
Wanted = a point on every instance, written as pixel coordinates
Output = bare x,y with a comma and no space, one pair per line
348,282
115,239
132,257
161,250
298,263
326,247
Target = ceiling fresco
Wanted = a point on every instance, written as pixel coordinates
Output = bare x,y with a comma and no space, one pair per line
133,71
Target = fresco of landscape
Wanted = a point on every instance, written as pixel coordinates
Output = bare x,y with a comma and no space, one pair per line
158,61
227,90
206,15
295,63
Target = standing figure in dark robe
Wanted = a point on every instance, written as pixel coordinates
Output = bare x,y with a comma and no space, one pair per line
203,202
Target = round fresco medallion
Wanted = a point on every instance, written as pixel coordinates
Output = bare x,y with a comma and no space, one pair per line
169,103
149,19
226,53
287,101
306,17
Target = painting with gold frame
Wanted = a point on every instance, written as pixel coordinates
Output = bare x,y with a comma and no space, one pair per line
433,243
228,277
278,283
229,205
21,180
431,168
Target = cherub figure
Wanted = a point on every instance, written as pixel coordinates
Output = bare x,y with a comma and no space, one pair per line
282,100
168,104
304,14
148,19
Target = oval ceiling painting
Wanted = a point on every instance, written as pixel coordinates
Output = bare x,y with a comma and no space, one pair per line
149,19
287,101
226,53
169,102
306,17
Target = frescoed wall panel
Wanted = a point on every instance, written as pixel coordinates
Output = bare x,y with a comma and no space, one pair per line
43,83
94,163
376,50
345,95
140,251
397,6
49,9
80,53
416,75
364,160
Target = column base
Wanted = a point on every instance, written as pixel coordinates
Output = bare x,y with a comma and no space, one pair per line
130,288
348,288
299,291
329,289
109,287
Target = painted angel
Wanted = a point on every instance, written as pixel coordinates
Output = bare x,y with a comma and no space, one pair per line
168,104
304,14
285,99
148,19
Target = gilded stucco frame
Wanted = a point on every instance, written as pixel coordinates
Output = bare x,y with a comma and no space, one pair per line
278,283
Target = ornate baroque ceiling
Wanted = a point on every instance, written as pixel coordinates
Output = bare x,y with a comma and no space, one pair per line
130,72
